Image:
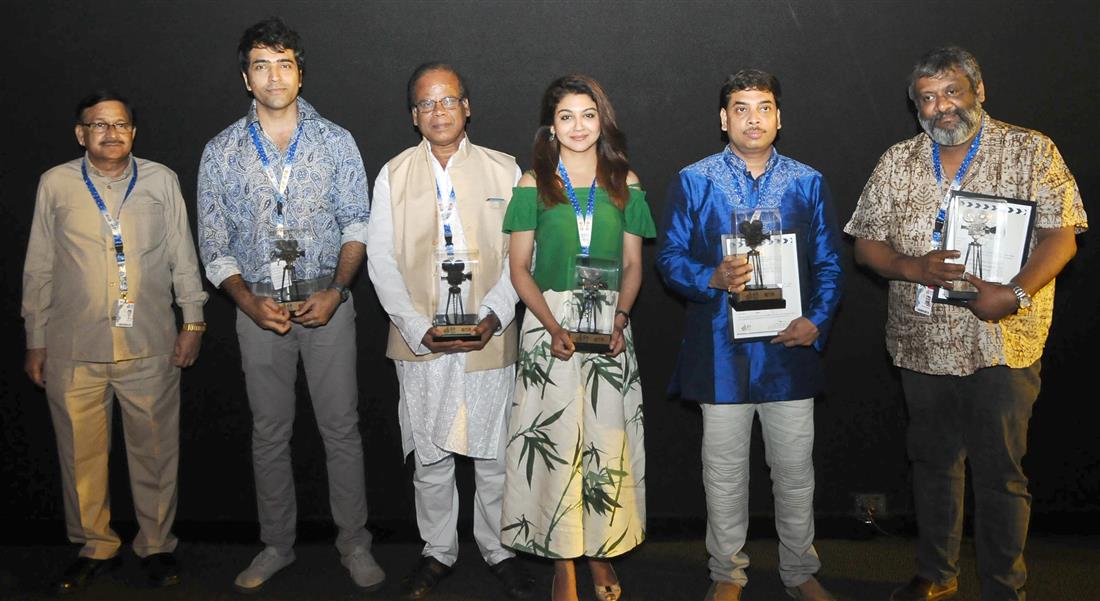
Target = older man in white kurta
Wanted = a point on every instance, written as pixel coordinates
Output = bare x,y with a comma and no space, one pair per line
447,193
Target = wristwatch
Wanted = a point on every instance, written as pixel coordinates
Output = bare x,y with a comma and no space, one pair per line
1023,299
195,326
625,314
344,291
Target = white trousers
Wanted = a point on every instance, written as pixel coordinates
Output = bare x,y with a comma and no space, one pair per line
788,429
436,495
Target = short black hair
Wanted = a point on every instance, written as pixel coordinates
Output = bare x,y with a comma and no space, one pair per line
274,34
750,79
426,68
103,95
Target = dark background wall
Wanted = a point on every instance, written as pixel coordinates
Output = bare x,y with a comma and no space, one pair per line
843,67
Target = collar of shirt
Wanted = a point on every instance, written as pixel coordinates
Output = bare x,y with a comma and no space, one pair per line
763,191
94,171
443,174
305,112
740,166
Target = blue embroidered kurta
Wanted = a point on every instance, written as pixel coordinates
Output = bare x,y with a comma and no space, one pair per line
711,368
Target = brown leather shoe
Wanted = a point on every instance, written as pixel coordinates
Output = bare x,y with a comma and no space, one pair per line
811,590
723,591
921,589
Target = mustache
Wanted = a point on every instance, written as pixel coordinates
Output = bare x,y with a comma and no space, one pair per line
962,116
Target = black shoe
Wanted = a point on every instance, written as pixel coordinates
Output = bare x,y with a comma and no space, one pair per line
162,570
83,571
517,582
423,579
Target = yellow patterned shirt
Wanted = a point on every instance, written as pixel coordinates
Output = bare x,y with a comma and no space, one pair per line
898,206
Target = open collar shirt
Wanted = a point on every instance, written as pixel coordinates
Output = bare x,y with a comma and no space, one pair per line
898,206
326,202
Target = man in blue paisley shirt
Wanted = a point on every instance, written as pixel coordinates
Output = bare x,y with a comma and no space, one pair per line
285,179
775,378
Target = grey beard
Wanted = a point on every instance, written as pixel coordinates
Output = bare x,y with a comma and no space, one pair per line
969,122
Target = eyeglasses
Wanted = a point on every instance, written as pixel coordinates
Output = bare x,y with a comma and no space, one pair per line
428,105
101,127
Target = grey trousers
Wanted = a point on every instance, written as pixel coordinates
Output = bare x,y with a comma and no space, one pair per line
81,396
270,364
981,418
788,429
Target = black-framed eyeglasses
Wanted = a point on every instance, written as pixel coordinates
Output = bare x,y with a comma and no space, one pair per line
100,127
428,105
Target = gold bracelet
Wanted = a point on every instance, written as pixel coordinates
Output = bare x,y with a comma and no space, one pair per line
195,326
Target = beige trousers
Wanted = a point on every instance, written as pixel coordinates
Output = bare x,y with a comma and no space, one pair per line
81,396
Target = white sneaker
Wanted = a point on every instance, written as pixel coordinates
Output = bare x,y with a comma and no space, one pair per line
366,572
263,567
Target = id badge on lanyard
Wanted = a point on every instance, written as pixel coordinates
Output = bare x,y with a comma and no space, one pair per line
584,220
123,314
923,304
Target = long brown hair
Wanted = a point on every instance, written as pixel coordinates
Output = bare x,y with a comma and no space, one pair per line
612,165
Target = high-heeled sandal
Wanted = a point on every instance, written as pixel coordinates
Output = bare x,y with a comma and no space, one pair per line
609,592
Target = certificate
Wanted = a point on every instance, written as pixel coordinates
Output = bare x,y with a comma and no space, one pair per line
992,235
764,324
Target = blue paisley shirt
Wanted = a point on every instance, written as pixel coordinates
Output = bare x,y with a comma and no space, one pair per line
711,368
327,198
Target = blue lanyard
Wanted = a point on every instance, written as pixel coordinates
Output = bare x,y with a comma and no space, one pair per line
445,215
584,221
760,183
112,223
279,185
937,166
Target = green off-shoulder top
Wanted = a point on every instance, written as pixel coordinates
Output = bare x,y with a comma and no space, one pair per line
556,240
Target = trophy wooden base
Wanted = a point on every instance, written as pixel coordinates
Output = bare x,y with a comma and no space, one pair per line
757,299
293,306
465,329
590,342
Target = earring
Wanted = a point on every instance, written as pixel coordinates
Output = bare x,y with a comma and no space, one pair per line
551,135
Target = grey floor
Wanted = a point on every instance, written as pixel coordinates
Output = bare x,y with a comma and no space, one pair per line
1062,568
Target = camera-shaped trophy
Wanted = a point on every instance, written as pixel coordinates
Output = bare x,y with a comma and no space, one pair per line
590,314
974,222
286,247
455,311
758,234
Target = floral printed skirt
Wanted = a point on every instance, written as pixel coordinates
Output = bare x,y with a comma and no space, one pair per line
575,455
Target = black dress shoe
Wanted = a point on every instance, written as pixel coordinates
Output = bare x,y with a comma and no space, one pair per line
83,571
162,570
423,579
517,582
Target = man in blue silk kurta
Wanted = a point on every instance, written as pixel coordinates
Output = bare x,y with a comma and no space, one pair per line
775,378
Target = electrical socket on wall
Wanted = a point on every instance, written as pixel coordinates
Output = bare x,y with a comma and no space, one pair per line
869,506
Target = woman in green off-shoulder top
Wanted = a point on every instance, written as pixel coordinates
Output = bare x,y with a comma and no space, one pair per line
575,484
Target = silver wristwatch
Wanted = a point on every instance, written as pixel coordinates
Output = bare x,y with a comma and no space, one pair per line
1023,299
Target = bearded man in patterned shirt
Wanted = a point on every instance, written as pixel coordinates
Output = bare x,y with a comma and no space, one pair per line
970,373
